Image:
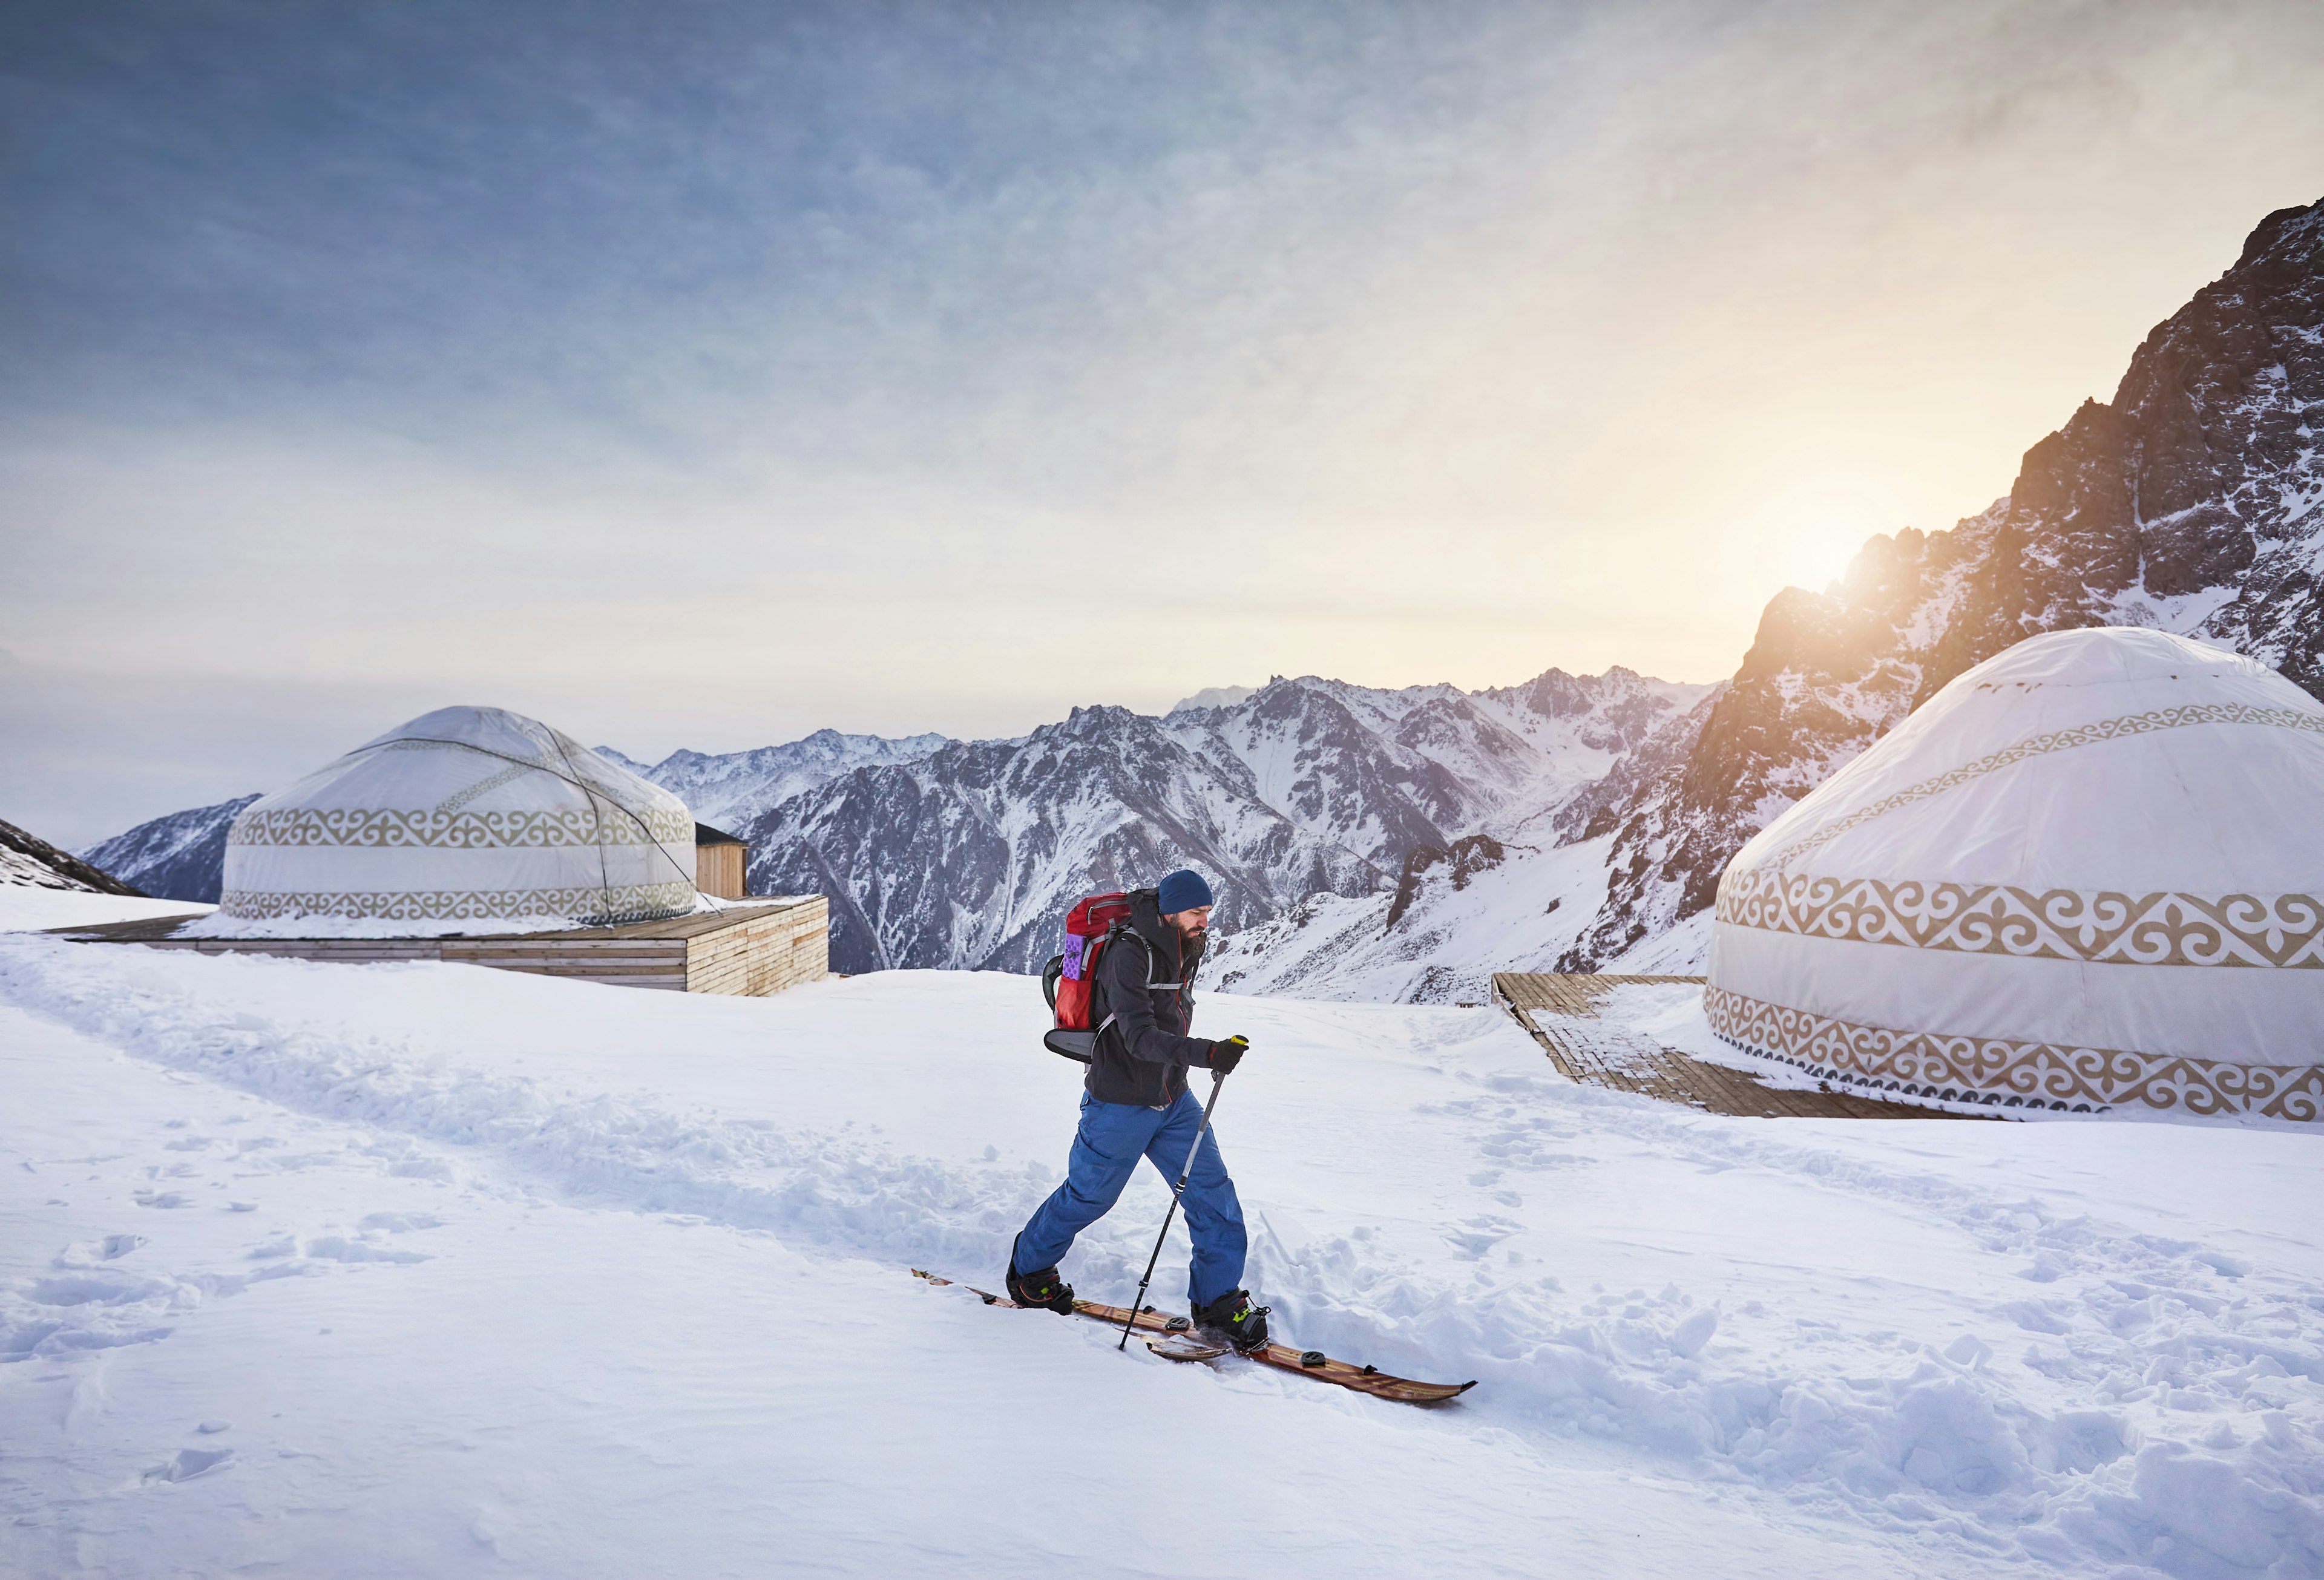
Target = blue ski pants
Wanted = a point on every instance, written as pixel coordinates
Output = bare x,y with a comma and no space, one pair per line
1107,1146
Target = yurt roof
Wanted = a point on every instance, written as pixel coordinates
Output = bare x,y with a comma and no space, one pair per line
2129,759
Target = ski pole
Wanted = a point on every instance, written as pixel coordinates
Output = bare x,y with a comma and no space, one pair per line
1218,1080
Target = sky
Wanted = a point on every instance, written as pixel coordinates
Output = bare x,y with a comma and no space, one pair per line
702,375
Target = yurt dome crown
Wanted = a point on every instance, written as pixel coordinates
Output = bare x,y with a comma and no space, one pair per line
464,815
2027,893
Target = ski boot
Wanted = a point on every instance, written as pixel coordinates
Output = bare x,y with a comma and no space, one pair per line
1232,1317
1044,1288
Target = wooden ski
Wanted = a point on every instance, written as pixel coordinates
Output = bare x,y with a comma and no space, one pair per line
1174,1339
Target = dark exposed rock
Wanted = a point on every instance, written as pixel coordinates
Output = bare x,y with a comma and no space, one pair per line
1462,861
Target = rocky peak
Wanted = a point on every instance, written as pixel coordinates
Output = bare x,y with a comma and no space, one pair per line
1555,694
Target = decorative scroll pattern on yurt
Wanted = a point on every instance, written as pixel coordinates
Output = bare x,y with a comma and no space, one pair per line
381,827
2161,928
2091,734
2006,1073
630,903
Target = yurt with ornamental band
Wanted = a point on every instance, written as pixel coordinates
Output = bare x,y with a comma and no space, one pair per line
2085,875
479,836
461,817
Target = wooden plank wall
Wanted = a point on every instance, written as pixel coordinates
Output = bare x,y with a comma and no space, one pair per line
1556,1010
774,950
618,962
718,869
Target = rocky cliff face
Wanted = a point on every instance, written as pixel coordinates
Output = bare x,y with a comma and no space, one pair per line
180,856
2193,502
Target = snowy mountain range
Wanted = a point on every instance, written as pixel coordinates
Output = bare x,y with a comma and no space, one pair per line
969,855
1404,844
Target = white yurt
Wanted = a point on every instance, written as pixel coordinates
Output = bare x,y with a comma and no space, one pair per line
2088,873
463,816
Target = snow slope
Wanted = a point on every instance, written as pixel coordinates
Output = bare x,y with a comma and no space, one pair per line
431,1268
37,909
1481,907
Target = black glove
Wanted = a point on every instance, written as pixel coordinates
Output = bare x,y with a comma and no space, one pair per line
1225,1056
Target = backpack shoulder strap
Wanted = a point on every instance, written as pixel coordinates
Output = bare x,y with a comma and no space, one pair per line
1124,929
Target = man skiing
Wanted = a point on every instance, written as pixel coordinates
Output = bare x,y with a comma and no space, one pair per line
1135,1103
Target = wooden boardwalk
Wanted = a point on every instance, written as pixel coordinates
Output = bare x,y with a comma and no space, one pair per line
1561,1012
751,950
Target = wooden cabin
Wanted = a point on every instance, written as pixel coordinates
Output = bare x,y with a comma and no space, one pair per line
721,862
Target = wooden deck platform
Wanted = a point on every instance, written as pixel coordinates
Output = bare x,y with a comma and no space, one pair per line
1558,1012
752,950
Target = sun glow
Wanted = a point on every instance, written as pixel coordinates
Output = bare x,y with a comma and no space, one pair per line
1806,533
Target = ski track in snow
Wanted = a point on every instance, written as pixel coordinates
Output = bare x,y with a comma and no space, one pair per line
2166,1417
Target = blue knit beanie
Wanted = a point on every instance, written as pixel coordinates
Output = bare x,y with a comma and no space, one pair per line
1182,891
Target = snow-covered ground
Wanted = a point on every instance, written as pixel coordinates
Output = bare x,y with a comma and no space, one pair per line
26,907
1517,915
429,1269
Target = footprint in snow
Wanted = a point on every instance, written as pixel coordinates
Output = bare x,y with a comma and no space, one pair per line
1477,1236
400,1223
94,1289
94,1253
187,1463
335,1248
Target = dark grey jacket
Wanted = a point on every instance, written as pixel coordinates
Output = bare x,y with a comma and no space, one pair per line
1146,984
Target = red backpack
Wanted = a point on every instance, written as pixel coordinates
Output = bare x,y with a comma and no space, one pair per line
1066,978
